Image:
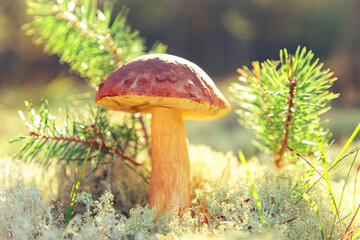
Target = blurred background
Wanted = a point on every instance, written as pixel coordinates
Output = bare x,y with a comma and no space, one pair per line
219,35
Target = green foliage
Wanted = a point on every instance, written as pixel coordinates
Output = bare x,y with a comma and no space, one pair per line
280,100
85,37
93,44
83,135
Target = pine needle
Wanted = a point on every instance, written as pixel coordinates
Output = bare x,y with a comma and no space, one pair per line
85,37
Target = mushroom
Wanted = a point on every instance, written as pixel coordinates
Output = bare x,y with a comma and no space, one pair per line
171,89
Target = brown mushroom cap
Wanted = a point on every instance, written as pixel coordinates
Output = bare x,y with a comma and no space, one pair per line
162,80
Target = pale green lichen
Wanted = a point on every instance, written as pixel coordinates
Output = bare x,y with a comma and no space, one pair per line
143,222
219,182
23,215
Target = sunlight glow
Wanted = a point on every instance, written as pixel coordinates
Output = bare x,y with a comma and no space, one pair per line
71,6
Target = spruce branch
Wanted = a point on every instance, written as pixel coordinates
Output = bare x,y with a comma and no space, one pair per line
280,100
84,36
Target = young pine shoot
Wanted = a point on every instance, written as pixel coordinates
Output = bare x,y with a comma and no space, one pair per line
279,101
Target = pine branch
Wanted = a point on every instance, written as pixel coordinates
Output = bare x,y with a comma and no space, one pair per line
102,144
84,36
93,45
71,142
280,100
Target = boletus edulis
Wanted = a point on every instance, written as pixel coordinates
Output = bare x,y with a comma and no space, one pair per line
170,88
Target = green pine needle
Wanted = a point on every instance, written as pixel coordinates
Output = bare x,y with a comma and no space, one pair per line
279,101
85,37
94,44
69,139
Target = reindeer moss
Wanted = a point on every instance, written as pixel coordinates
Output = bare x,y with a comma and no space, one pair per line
221,185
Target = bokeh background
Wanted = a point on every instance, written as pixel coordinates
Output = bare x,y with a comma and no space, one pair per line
219,35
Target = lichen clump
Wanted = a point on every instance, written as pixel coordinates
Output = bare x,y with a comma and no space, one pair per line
220,184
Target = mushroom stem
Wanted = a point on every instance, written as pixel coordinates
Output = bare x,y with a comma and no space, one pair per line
170,182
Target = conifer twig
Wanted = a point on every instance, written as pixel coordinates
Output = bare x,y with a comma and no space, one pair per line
46,140
93,142
279,100
94,43
85,37
290,112
86,30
